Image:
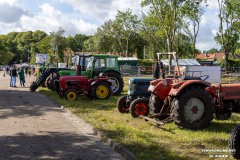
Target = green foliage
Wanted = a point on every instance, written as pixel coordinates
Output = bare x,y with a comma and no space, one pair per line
228,34
231,63
145,62
75,43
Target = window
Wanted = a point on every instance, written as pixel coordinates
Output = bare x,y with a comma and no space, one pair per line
111,63
100,63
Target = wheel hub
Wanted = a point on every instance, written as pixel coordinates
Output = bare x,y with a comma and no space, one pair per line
115,84
194,109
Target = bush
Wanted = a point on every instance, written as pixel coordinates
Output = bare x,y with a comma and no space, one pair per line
145,62
231,63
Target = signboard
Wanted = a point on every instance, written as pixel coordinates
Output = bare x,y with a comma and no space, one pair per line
41,58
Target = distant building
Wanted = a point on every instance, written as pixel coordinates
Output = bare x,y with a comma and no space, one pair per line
218,56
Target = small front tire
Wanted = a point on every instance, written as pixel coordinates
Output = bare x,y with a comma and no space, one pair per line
101,90
122,104
139,107
71,95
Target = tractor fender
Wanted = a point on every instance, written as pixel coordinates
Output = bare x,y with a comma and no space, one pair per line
95,82
116,71
178,87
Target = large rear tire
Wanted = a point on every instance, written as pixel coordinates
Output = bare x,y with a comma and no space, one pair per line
139,107
193,109
101,90
122,104
234,142
117,82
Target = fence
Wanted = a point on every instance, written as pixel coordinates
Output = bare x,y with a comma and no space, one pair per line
128,70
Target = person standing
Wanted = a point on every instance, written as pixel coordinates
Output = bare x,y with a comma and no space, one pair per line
21,77
13,74
26,70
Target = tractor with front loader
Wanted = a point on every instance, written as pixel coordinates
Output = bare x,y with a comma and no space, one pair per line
94,65
191,104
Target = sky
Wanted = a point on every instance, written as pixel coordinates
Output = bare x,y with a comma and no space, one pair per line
85,16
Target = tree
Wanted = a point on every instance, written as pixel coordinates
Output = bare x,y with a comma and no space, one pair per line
168,14
153,35
191,21
75,43
128,23
5,55
58,44
228,34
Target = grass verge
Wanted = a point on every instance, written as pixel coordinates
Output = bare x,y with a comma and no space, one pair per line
146,140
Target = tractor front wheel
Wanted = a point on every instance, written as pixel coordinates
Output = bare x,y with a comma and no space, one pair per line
71,95
101,90
193,109
139,107
155,105
122,104
234,142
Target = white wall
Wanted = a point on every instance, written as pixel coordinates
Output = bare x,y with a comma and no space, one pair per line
214,72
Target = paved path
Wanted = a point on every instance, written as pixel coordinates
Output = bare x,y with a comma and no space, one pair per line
32,127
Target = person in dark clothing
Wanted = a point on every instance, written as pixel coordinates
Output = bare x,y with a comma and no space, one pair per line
21,77
13,74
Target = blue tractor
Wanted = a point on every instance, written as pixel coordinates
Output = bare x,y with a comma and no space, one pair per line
136,102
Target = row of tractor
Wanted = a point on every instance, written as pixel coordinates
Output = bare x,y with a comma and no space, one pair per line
96,76
191,102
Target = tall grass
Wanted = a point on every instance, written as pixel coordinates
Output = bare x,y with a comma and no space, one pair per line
146,140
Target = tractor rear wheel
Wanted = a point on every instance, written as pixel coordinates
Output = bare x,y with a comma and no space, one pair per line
193,109
234,142
117,82
122,104
155,105
71,95
139,107
101,90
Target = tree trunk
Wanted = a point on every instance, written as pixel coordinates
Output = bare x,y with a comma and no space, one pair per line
127,48
226,61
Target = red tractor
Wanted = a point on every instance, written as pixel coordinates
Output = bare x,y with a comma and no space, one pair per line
192,104
96,88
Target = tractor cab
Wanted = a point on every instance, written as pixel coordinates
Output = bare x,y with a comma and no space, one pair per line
100,63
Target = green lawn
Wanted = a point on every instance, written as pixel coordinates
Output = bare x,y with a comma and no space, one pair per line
146,140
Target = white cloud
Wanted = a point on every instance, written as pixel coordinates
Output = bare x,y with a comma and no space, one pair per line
50,19
98,9
208,29
212,4
10,2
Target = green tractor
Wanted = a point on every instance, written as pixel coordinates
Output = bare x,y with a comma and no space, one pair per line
98,64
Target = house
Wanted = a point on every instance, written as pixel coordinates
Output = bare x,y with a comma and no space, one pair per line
217,56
